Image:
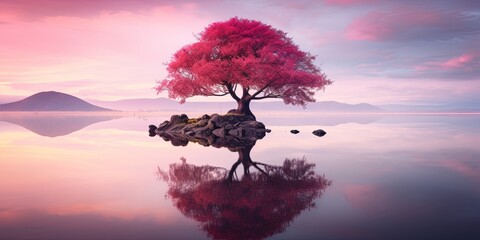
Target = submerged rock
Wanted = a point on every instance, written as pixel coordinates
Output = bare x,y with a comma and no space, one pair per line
215,130
319,133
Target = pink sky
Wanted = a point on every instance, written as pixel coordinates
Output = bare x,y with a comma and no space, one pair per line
375,51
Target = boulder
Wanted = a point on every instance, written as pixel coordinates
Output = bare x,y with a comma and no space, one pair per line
202,123
319,133
178,119
162,125
152,130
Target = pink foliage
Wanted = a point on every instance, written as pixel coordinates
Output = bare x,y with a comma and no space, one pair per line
246,55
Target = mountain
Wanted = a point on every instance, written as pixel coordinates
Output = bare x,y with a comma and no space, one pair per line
164,104
323,106
52,101
139,104
456,107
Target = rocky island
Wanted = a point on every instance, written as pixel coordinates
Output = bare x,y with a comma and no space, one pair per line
210,130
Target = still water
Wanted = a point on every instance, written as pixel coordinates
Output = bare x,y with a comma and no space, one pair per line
77,176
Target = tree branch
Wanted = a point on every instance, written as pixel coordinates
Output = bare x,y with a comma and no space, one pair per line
267,96
263,164
261,90
259,169
231,90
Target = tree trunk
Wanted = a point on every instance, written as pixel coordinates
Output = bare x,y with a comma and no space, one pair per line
244,159
243,107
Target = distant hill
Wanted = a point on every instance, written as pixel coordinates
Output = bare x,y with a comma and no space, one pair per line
323,106
139,104
466,107
164,104
52,101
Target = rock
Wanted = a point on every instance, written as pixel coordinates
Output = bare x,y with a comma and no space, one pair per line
215,120
319,133
228,127
164,124
219,132
294,131
178,119
190,133
268,130
152,130
202,123
237,132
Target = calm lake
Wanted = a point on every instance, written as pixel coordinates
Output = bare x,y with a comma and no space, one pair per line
376,176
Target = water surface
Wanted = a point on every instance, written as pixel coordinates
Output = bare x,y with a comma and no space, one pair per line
97,177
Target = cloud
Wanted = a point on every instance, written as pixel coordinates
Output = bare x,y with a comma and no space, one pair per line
466,61
36,9
406,24
463,66
348,2
458,62
361,195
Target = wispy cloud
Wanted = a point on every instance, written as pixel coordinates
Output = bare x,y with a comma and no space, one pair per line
464,66
348,2
405,24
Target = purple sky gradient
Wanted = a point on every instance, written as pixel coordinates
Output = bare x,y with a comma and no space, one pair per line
375,51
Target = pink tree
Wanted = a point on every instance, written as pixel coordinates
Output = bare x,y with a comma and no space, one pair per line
247,60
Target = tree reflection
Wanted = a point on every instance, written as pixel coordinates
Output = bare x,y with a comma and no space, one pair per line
259,204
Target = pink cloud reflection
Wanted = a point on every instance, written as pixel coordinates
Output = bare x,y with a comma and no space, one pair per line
367,197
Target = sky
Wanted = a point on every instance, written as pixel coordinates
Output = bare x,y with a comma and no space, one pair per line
375,51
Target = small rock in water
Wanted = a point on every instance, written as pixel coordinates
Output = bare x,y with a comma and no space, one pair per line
151,130
319,133
268,130
294,131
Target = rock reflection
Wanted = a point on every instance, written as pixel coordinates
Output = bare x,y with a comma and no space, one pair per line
256,205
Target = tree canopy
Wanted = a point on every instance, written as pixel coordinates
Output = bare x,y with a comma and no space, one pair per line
247,60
